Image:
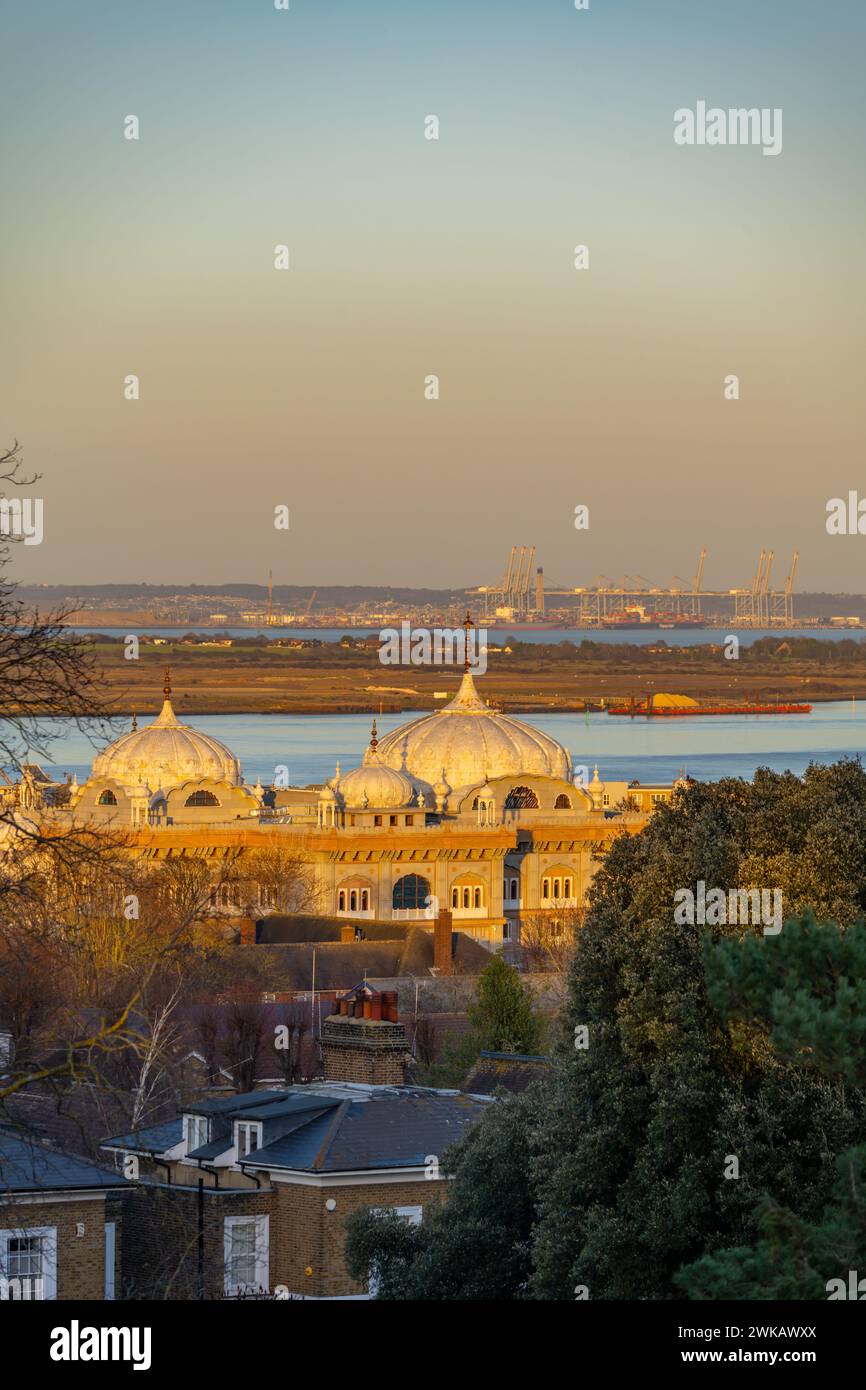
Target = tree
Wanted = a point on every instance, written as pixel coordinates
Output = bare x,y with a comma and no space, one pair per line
501,1016
805,991
660,1077
478,1244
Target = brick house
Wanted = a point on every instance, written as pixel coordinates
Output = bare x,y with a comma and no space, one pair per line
246,1192
59,1223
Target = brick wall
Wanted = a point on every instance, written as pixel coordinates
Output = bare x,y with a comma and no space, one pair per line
305,1235
80,1258
160,1238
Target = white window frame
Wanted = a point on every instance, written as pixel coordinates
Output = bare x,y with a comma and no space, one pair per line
110,1247
262,1252
250,1128
199,1125
48,1234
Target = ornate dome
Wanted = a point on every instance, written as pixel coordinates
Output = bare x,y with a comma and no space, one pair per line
466,742
374,783
165,754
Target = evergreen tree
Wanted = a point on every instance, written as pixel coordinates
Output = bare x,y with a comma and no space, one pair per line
501,1015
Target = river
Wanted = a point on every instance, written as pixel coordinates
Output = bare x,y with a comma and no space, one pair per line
653,750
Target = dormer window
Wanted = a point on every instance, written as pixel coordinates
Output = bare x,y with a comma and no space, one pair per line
248,1138
195,1128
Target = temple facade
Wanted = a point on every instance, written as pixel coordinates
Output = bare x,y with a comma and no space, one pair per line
467,808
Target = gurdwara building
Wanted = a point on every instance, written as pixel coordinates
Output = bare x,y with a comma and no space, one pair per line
466,808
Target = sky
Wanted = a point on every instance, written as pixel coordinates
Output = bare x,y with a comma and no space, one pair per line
408,257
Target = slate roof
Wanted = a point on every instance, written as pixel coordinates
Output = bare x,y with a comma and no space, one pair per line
153,1140
332,1127
509,1071
28,1166
390,1127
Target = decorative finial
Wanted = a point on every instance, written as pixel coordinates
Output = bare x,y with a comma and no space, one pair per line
374,738
166,689
468,625
134,721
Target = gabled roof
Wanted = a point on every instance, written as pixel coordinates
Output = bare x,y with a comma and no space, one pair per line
28,1166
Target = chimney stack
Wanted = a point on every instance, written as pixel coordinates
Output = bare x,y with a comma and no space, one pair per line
442,942
365,1041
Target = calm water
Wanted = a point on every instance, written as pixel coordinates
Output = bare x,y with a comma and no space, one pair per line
649,749
691,637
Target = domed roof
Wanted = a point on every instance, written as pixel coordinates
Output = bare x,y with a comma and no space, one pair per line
375,784
165,754
466,743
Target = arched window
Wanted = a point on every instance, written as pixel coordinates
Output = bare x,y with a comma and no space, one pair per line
365,899
341,901
512,889
410,893
545,888
107,798
476,898
521,797
201,798
465,897
562,803
556,887
353,901
455,897
567,888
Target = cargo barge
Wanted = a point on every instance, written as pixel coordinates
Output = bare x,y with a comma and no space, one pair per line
651,709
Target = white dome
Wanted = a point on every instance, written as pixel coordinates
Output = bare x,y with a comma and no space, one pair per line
165,754
375,784
467,743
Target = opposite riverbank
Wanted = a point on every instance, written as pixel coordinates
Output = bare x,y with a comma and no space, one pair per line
564,677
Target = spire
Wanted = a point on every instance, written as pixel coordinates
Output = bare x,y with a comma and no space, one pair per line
374,738
167,716
134,722
467,626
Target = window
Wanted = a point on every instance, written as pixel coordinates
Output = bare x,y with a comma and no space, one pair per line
545,888
246,1253
567,888
201,799
107,798
562,803
411,893
556,887
465,897
110,1242
248,1137
512,889
195,1130
521,797
455,897
477,898
392,820
365,899
353,901
28,1263
410,820
341,901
